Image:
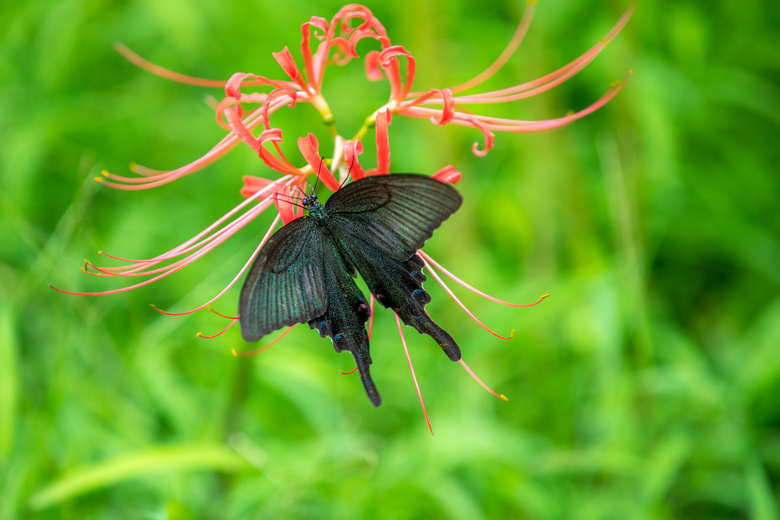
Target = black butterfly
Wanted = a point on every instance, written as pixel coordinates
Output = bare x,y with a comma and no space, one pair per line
373,226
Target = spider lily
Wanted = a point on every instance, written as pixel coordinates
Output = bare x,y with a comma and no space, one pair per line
246,118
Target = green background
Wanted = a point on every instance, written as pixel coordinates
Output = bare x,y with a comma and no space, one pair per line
645,387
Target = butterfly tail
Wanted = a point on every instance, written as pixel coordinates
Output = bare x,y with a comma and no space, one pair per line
337,327
425,325
344,321
363,361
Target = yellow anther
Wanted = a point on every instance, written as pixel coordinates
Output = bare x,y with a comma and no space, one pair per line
542,297
98,179
132,166
234,352
512,334
502,396
199,335
615,84
104,173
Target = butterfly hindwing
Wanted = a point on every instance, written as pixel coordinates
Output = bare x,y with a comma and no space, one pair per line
345,319
381,222
394,214
286,284
399,286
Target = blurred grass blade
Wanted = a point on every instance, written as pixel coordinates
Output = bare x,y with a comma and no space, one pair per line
9,381
658,476
761,501
137,464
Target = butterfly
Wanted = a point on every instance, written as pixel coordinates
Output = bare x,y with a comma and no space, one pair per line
373,226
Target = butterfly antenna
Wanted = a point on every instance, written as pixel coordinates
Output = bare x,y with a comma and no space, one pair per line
303,193
317,175
290,200
346,177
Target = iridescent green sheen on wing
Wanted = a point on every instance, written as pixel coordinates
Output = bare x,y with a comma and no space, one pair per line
286,284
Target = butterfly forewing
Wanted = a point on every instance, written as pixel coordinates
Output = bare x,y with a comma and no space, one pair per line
394,214
286,284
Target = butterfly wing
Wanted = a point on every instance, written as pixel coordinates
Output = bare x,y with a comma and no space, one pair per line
286,284
380,223
394,214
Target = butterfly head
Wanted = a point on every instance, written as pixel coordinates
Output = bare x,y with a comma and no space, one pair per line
309,201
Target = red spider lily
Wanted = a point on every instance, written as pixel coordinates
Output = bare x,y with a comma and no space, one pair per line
246,118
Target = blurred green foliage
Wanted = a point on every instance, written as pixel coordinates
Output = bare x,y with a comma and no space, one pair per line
646,387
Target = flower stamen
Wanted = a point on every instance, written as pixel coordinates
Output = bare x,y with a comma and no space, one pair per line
457,280
257,351
414,377
232,322
462,306
478,380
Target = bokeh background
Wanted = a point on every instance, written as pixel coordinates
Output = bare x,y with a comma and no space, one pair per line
646,387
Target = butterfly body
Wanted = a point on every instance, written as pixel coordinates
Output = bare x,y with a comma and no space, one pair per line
374,226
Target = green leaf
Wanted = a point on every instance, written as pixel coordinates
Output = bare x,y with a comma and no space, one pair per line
137,464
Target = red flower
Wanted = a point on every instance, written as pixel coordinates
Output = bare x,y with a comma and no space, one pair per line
246,116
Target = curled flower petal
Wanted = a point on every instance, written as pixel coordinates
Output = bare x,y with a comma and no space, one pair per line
286,61
225,103
315,64
488,138
233,115
233,85
448,110
399,88
373,66
387,54
253,184
310,149
361,34
448,174
351,151
315,23
339,53
283,95
284,200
